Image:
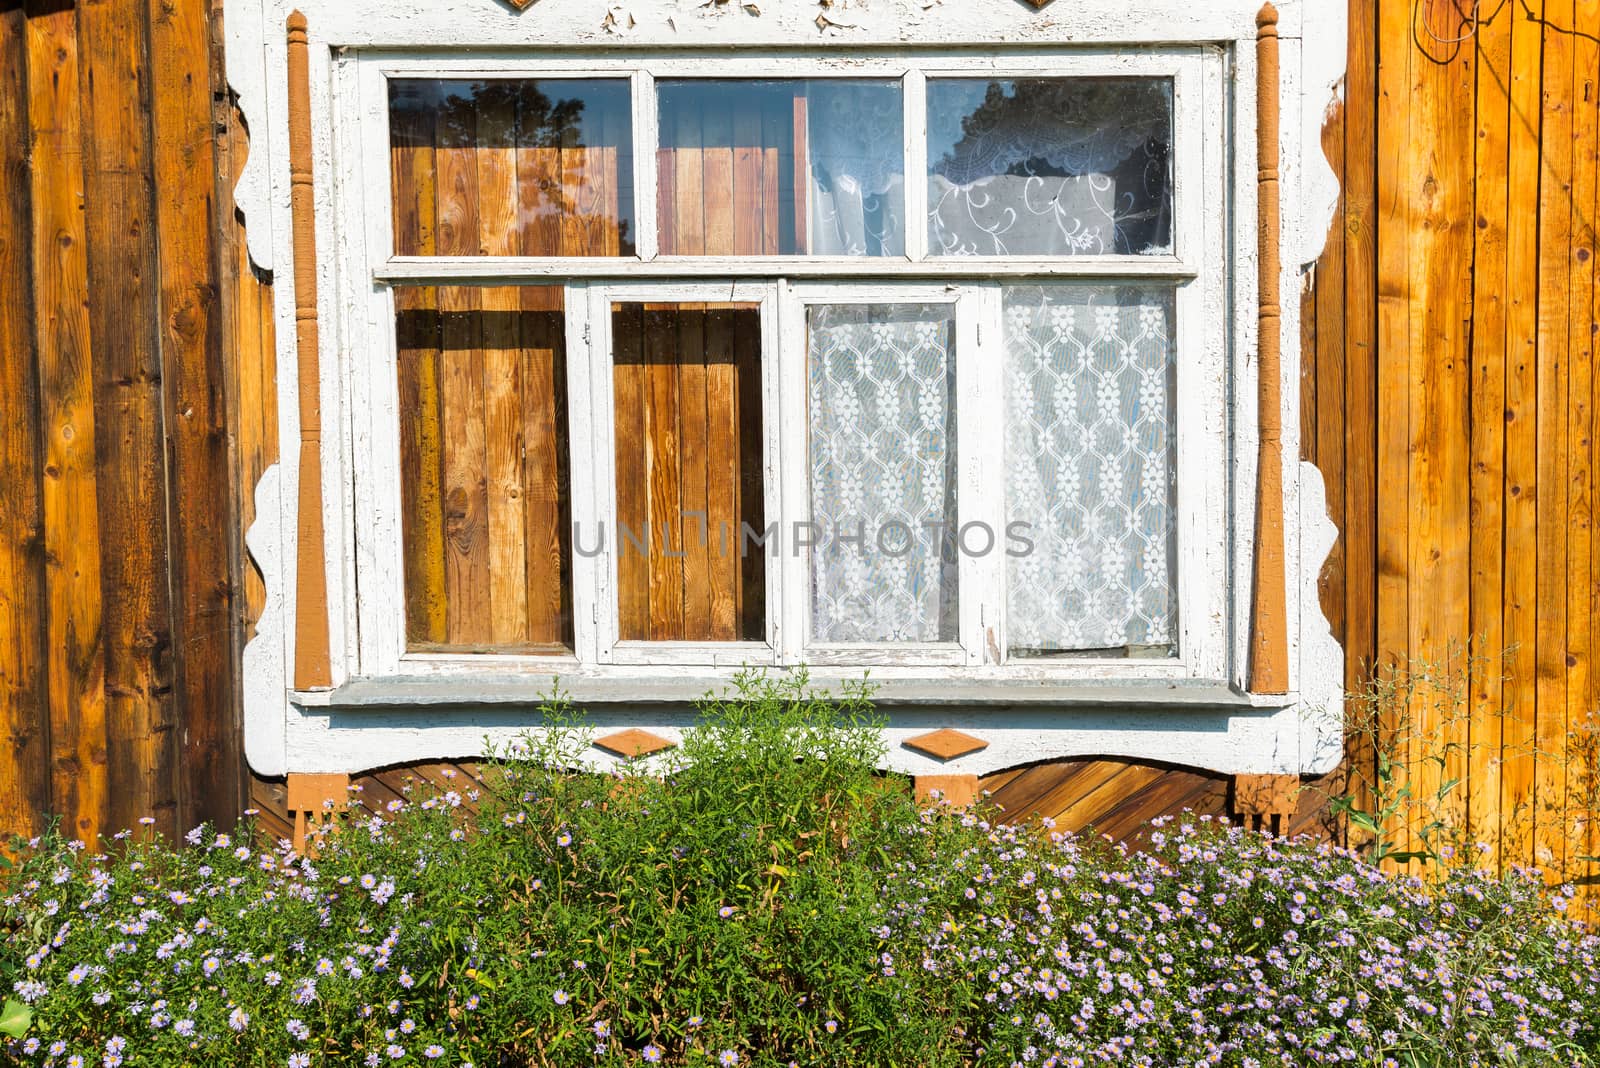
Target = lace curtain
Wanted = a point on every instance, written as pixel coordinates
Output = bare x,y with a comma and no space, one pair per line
1049,166
1089,462
883,467
857,168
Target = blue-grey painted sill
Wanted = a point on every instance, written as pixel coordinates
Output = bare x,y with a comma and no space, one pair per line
460,691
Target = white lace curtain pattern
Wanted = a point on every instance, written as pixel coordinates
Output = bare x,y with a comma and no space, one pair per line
1049,166
883,466
857,168
1089,462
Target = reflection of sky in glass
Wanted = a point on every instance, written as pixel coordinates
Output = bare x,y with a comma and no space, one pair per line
1050,166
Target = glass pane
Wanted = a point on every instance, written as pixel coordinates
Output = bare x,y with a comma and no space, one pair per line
883,472
483,468
690,503
512,168
764,168
1049,166
1089,470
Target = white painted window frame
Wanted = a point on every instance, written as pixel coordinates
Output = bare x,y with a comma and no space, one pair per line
1197,269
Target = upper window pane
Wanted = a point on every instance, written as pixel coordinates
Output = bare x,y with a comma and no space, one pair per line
781,168
512,168
1049,166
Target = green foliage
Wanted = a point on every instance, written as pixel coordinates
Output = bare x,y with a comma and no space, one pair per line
763,896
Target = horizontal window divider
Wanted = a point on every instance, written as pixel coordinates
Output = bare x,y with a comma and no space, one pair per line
660,688
503,270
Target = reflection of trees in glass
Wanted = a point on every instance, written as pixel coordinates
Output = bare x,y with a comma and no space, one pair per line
1116,129
556,121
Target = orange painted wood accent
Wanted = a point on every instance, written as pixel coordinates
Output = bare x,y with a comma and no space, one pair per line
946,744
958,791
633,743
314,800
1269,636
313,668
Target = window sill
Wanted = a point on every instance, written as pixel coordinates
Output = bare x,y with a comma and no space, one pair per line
491,690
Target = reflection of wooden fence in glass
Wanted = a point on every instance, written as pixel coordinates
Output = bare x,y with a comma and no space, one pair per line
687,398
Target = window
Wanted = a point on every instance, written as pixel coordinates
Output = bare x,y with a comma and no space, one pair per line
679,364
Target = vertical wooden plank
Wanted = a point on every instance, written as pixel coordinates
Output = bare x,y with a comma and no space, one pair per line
76,660
574,192
502,365
417,344
1493,117
802,175
123,276
614,179
661,357
1521,449
752,508
1325,353
1395,88
688,223
538,175
24,715
748,181
1361,361
1588,95
413,135
252,367
199,467
1441,262
722,472
717,188
1580,439
630,390
776,143
666,201
464,459
1554,369
548,519
694,457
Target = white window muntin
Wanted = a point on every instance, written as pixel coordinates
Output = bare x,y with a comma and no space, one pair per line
369,391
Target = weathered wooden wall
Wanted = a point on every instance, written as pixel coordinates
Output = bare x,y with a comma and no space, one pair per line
1450,397
126,319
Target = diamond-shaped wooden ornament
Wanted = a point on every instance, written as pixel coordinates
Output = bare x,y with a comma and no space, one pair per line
633,743
946,744
523,5
1037,3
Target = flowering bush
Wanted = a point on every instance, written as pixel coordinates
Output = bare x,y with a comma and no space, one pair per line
765,898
